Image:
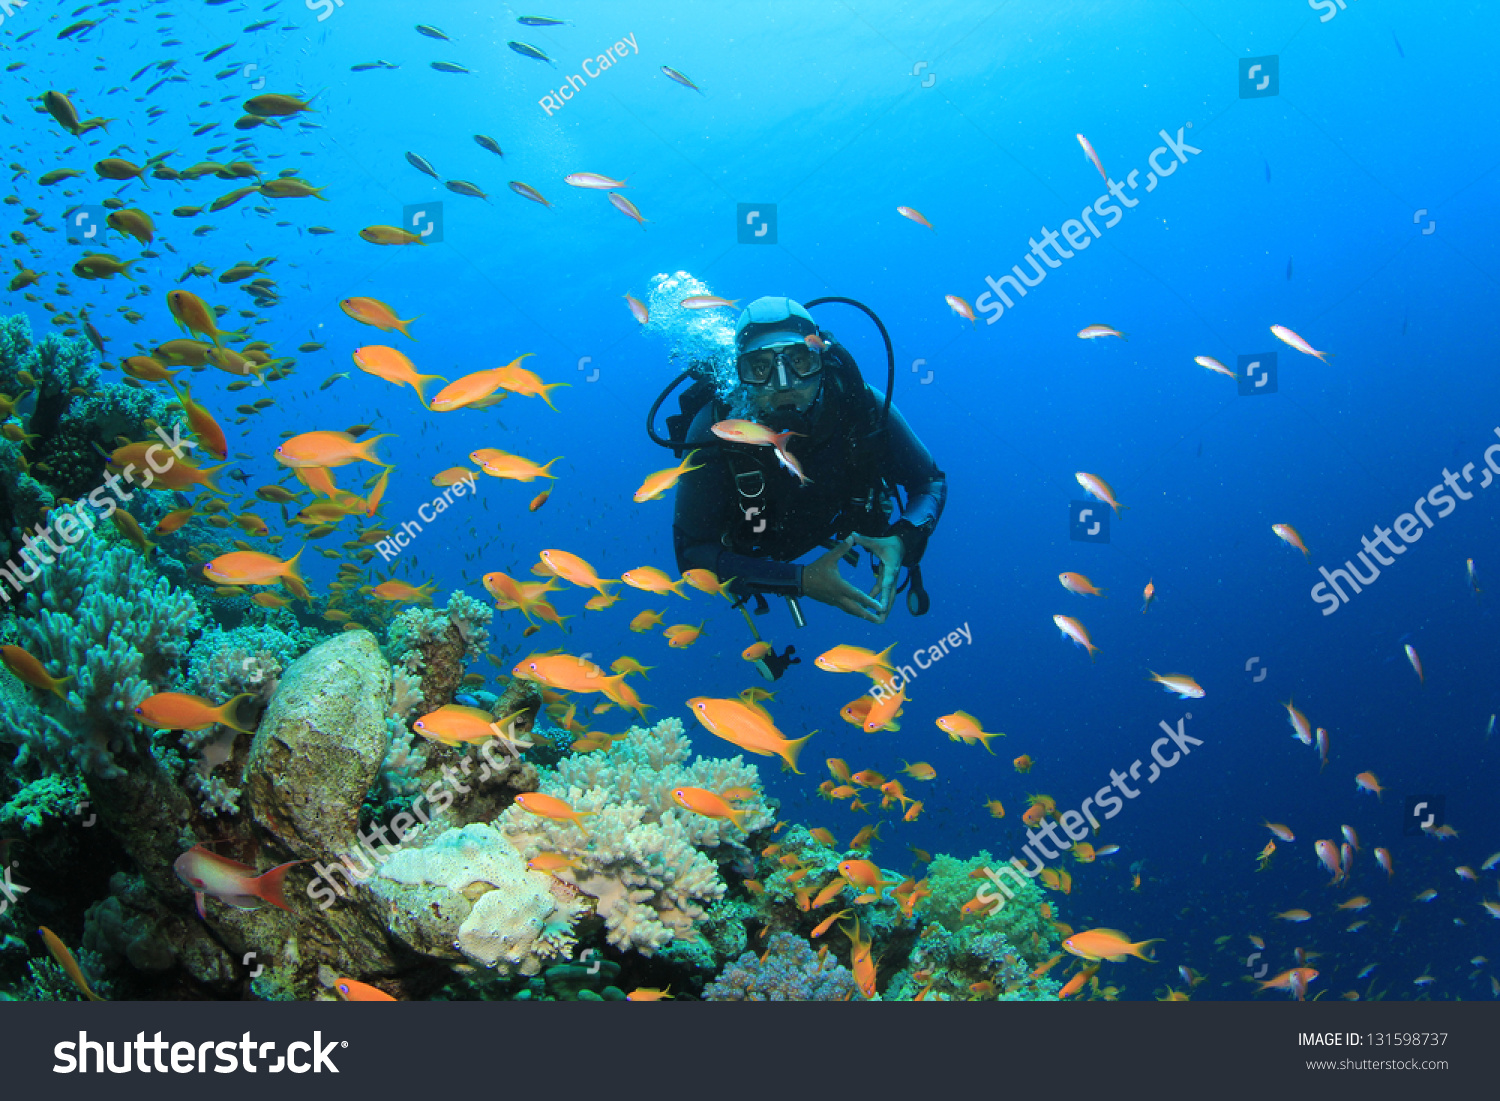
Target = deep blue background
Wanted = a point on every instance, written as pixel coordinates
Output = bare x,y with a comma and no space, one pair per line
816,108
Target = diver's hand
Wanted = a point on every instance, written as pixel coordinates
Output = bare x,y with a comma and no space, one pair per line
889,551
822,581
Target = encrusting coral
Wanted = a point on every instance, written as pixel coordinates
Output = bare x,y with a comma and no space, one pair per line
469,889
641,858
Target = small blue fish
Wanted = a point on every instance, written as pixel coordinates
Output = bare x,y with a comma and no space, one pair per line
530,51
684,81
539,21
1397,41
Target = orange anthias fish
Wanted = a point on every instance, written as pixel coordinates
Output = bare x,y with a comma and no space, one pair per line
571,568
915,216
963,727
180,711
391,365
404,592
502,464
682,635
255,568
649,579
194,315
657,484
646,620
1295,981
1023,763
547,806
1092,156
68,963
960,307
1280,831
706,581
709,805
352,990
1108,944
567,673
327,449
1288,534
1301,728
1099,489
748,432
739,724
1214,365
861,960
29,669
1366,781
474,391
1416,662
919,771
1149,595
518,380
1077,583
638,309
1074,630
1185,686
1286,336
373,312
855,659
231,882
455,724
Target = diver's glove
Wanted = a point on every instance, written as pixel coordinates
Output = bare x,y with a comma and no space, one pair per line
776,664
913,539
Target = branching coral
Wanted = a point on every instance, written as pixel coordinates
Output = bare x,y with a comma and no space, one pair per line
1020,917
641,857
100,614
791,972
434,646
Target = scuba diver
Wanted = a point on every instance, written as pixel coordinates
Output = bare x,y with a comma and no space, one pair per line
748,511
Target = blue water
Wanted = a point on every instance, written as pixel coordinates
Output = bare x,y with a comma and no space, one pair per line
832,114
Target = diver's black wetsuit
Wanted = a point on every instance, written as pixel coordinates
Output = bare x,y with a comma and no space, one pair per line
711,528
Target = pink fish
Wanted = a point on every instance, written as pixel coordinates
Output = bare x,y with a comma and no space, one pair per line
1416,662
1328,856
960,307
1286,336
1350,836
1302,729
1383,858
1074,630
230,881
1094,332
1214,365
637,309
627,208
1322,740
1089,149
1099,489
707,302
914,215
592,180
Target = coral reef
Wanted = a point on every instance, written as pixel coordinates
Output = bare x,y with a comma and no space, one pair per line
468,891
790,972
640,858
